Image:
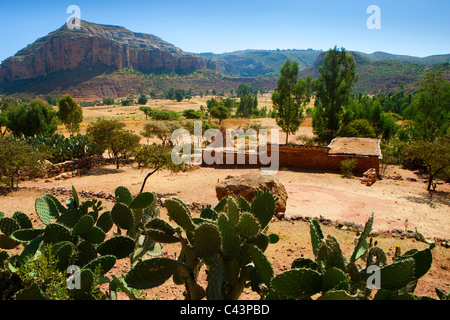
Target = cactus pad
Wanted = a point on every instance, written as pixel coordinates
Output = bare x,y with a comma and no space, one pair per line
46,210
151,273
95,235
103,263
397,275
8,225
85,224
7,242
118,246
207,240
263,207
55,233
26,235
22,219
63,254
105,221
142,201
262,264
179,212
335,279
248,225
122,216
161,236
230,240
86,253
297,283
123,195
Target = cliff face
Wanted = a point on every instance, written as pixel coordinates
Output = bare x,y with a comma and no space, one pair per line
92,45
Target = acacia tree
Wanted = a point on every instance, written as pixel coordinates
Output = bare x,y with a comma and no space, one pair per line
220,112
110,135
434,155
157,157
333,87
70,113
290,97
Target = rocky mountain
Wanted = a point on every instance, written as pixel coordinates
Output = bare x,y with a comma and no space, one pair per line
111,61
383,75
97,46
262,63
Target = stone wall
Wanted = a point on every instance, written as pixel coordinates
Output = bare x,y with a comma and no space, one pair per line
295,156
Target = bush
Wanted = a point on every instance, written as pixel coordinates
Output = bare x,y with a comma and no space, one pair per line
360,128
17,157
142,99
108,101
164,115
347,167
192,114
32,118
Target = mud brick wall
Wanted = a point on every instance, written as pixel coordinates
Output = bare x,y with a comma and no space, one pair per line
298,156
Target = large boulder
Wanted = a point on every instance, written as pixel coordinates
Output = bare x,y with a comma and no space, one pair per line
246,185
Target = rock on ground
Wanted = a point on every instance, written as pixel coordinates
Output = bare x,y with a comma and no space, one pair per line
246,185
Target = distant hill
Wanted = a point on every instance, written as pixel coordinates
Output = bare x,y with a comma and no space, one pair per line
110,61
262,63
430,60
383,75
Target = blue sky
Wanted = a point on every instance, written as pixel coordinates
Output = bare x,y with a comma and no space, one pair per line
412,27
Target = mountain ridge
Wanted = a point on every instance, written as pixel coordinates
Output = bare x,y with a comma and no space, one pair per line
67,60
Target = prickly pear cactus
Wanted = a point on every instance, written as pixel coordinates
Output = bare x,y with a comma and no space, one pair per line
230,239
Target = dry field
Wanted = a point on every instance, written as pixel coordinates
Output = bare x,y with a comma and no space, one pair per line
396,204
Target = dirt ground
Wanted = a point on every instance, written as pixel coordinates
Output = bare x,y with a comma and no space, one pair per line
397,204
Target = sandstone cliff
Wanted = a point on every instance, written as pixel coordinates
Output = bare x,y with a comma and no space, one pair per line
93,45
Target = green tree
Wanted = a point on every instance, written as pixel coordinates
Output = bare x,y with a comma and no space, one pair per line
121,143
221,112
161,129
33,118
290,97
142,99
70,114
247,105
146,110
430,110
102,132
434,155
332,88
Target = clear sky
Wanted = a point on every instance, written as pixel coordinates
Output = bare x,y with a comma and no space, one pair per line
410,27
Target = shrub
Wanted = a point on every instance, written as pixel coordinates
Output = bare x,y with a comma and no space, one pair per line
360,128
32,118
142,99
164,115
347,167
17,157
192,114
108,101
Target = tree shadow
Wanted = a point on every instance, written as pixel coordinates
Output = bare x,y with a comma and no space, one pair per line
103,171
431,199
